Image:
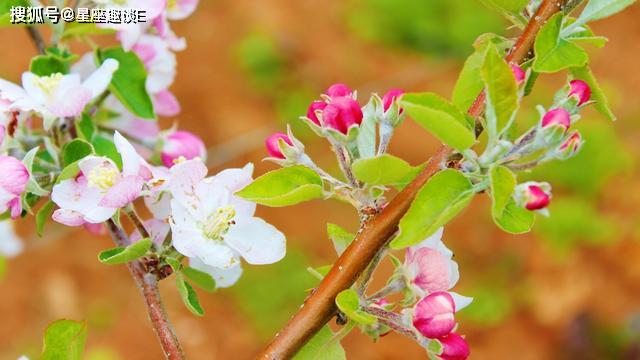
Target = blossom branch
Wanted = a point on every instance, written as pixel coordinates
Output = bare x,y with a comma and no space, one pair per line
36,38
148,285
320,306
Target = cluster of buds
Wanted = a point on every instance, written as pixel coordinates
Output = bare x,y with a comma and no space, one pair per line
429,273
555,124
337,114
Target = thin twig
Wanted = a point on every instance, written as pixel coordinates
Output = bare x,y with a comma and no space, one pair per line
36,38
148,285
320,307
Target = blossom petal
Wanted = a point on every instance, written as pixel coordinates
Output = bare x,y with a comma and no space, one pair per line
256,241
224,277
184,181
10,243
100,79
123,192
234,180
132,162
166,104
215,253
68,217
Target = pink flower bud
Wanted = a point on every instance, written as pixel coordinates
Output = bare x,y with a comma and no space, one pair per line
13,183
518,73
454,347
536,198
428,269
181,144
341,114
338,90
572,143
580,90
311,112
557,117
433,315
391,96
273,145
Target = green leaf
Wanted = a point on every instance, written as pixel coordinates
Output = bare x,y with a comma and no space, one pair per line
441,118
128,82
554,53
43,215
45,65
86,128
349,303
366,139
121,255
64,339
189,296
515,219
381,170
469,83
602,103
69,172
511,9
32,185
501,89
598,9
340,237
503,181
586,36
75,150
106,147
439,200
283,187
322,346
200,278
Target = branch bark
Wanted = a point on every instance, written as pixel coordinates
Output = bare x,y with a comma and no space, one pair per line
147,282
320,306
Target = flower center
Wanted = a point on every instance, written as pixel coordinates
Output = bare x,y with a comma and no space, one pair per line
49,83
218,223
102,177
171,4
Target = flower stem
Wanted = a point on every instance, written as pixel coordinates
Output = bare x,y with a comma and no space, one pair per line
148,285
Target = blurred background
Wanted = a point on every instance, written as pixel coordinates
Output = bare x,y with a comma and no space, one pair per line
568,290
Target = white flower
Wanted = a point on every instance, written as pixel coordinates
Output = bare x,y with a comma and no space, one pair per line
10,243
57,95
208,222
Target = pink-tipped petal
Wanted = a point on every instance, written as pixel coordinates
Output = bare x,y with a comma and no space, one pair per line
166,104
341,114
433,316
557,117
338,90
68,217
454,347
311,112
581,90
537,198
123,192
391,96
182,144
272,143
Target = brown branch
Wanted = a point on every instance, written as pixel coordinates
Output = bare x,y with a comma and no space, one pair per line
320,307
148,285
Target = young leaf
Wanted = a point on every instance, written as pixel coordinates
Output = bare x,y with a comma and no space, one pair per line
340,237
75,150
32,185
43,215
469,83
366,139
200,278
189,296
554,53
602,103
128,82
515,219
439,200
74,29
322,346
503,181
283,187
64,339
86,128
45,65
349,303
512,9
441,118
598,9
381,170
121,255
501,89
68,172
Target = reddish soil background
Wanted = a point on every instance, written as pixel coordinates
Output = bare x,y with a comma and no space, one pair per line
58,276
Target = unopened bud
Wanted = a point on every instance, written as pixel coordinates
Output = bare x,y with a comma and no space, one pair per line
580,90
433,315
273,145
518,73
454,347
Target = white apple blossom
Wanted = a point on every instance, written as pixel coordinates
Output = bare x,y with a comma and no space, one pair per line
10,243
211,224
57,95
